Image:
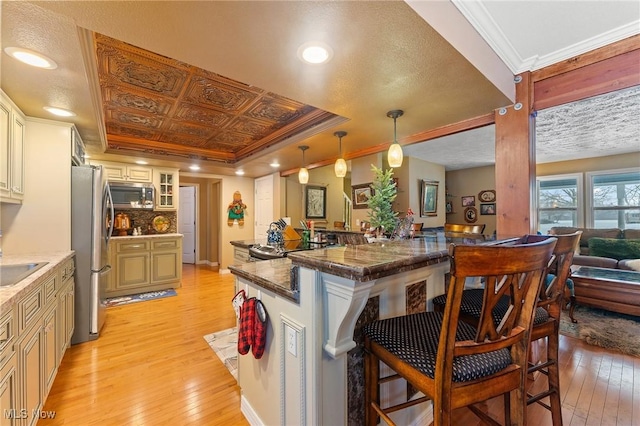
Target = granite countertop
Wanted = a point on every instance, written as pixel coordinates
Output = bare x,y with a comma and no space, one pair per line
273,274
9,295
362,263
137,237
367,262
248,243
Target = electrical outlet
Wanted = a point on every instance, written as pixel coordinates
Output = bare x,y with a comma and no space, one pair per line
292,341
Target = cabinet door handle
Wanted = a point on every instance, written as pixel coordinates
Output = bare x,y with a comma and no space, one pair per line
164,244
136,246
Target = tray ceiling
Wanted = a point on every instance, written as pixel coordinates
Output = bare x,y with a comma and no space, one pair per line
158,105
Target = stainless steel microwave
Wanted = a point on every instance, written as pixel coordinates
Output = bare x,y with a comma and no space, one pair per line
130,195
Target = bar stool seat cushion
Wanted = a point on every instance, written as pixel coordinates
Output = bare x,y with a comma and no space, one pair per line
471,305
414,339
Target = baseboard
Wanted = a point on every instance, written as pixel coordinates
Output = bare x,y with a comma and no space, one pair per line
249,413
206,262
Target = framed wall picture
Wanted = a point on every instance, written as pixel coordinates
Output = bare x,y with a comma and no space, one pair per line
429,198
468,201
470,214
315,202
488,209
488,196
360,195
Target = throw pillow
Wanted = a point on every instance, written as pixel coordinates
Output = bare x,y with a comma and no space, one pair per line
614,248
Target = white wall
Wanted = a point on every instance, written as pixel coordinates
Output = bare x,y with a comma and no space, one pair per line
42,223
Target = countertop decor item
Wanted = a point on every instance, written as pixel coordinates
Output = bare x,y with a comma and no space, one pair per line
161,224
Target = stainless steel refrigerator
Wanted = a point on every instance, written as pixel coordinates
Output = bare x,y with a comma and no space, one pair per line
91,208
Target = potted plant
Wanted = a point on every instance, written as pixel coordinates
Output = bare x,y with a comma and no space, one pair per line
381,215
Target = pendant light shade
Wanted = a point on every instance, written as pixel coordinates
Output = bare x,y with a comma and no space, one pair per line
394,155
341,165
303,174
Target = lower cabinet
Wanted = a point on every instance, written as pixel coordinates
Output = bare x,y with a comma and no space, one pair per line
31,375
142,264
9,391
34,333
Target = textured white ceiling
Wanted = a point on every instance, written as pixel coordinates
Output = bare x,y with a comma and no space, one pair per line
608,124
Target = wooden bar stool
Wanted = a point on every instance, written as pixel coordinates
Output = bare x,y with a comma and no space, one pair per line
453,363
546,321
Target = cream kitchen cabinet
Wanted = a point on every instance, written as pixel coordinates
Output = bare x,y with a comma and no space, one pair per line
9,390
166,184
127,172
12,146
30,344
143,264
66,307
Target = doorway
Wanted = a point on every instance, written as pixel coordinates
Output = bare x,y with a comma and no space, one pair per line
264,205
187,223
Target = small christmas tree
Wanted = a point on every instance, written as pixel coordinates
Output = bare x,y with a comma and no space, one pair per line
382,216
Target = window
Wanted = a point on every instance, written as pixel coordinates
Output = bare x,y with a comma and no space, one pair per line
559,201
614,198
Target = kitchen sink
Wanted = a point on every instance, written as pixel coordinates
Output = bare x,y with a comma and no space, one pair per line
13,274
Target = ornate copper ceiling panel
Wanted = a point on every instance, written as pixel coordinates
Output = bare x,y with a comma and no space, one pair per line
159,105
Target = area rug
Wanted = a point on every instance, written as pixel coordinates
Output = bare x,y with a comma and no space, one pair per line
152,295
602,328
225,345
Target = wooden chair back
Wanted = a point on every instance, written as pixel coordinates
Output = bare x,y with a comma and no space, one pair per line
338,225
416,226
517,270
464,228
551,295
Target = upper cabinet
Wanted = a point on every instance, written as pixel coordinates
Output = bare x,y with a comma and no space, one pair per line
166,184
128,172
12,129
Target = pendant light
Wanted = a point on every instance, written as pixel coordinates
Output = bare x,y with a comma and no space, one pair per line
394,155
341,165
303,174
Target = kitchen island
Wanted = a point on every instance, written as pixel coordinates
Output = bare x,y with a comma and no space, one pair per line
317,301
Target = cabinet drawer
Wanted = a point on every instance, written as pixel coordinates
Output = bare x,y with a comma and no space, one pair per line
129,246
30,308
241,254
165,244
7,334
50,287
68,269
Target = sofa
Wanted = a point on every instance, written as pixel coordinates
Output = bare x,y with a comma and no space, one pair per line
614,249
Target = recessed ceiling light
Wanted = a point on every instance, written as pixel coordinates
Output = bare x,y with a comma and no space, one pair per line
194,167
30,57
275,164
142,162
60,111
240,172
315,52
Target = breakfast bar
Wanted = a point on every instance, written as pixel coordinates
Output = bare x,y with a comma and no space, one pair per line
317,301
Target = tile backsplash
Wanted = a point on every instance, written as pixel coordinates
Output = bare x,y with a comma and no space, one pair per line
144,219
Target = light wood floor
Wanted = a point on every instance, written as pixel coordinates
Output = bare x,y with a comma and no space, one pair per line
152,366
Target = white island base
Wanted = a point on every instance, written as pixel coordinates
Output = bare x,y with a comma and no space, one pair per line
303,378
